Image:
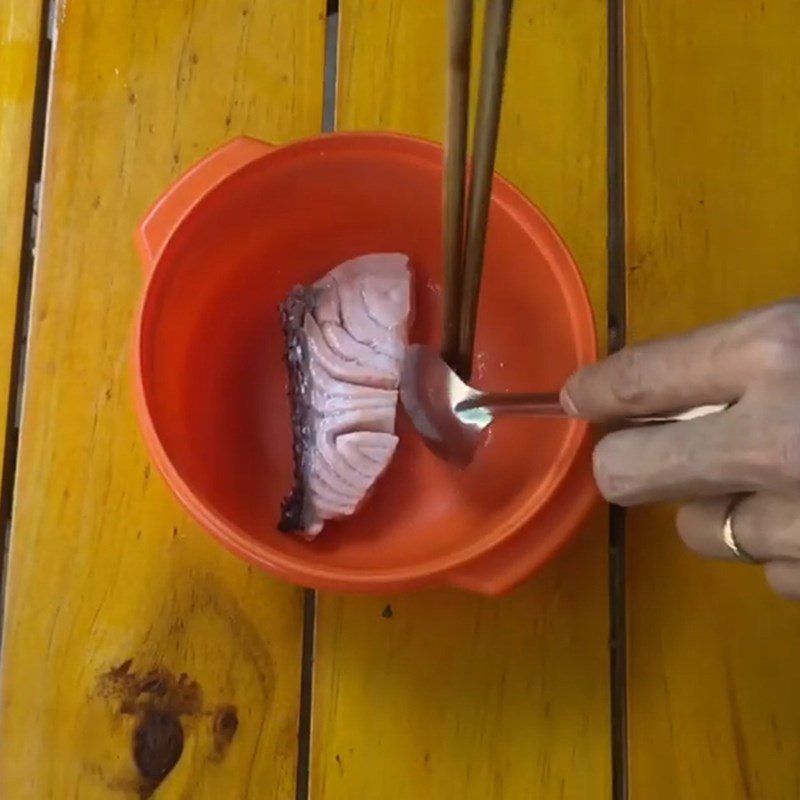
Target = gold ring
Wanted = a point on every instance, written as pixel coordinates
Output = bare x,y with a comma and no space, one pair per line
729,537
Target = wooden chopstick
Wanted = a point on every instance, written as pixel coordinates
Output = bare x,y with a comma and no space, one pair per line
490,95
455,162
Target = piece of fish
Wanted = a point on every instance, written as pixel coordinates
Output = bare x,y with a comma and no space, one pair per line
345,340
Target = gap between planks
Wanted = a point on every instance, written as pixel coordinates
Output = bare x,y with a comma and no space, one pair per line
304,729
617,333
27,257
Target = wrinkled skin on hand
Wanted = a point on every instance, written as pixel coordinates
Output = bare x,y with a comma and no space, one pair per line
750,451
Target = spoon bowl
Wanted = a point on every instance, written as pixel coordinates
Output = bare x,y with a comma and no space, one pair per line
449,414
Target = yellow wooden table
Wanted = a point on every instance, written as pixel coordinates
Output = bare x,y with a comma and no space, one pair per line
141,660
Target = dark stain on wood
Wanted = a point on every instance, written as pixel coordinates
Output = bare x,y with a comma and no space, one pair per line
158,700
226,723
121,671
131,691
157,746
154,684
387,612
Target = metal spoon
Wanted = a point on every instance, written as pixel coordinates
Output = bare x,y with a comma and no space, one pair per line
451,416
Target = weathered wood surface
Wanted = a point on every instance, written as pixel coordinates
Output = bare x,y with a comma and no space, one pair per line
713,209
19,48
137,654
440,694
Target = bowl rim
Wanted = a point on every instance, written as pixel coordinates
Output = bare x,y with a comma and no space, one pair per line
298,569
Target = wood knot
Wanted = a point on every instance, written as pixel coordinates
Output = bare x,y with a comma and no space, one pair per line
157,700
226,723
157,745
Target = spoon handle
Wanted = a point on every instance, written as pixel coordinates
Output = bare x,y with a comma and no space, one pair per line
547,404
534,404
696,412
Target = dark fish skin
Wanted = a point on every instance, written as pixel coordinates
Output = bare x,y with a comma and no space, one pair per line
293,311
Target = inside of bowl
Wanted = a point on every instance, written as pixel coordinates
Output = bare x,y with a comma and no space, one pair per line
215,381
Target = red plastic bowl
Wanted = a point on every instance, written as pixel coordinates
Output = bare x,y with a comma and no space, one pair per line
223,247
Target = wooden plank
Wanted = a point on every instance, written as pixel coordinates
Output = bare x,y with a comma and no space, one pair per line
123,620
714,199
19,48
440,694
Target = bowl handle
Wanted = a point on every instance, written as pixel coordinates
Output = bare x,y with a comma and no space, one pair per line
166,215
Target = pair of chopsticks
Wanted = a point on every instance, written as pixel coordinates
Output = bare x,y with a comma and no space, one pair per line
464,248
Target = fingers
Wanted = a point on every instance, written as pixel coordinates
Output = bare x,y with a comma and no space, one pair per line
784,578
700,527
750,447
671,462
666,375
766,526
714,364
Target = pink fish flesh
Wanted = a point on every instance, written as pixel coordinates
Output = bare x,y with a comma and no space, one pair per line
345,340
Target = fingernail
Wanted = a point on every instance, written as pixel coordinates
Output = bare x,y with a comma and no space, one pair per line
568,404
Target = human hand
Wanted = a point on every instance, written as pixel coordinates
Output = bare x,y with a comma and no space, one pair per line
746,458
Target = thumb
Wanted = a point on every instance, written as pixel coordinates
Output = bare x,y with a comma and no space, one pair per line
709,365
